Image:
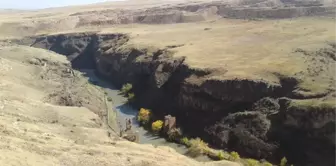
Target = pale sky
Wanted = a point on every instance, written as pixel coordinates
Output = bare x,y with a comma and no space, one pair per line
38,4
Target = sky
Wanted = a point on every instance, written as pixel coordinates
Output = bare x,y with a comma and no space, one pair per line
38,4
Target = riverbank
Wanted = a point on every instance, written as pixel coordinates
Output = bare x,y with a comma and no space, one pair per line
122,111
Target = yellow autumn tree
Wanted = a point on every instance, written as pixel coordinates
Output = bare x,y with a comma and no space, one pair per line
157,125
144,116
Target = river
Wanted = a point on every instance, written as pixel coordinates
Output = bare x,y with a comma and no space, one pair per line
126,111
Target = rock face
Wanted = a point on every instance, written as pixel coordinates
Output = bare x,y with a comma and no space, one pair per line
317,127
246,132
169,123
212,109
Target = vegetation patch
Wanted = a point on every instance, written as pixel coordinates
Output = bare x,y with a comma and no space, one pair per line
126,88
197,147
283,161
174,134
266,164
157,126
251,162
185,141
220,155
130,97
144,116
234,156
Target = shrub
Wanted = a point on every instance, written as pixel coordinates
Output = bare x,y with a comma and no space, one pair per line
109,98
130,96
174,134
126,88
220,155
252,162
283,161
197,147
157,125
185,141
217,154
234,156
144,116
266,164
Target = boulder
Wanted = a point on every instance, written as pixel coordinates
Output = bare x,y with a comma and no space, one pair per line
169,123
131,135
128,133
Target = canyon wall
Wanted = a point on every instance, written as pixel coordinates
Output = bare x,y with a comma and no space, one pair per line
256,118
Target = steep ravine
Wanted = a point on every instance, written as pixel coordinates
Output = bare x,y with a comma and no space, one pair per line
125,111
211,109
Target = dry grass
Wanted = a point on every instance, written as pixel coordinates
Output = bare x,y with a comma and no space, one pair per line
197,147
259,50
245,48
313,104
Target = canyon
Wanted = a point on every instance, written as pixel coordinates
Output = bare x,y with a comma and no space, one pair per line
234,74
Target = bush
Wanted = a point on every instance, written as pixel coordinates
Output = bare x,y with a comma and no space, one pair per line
234,156
266,164
220,155
197,147
109,98
283,161
144,116
252,162
130,96
126,88
185,141
157,125
174,134
217,154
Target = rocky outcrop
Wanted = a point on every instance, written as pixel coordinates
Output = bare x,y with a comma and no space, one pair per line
214,109
169,123
274,13
267,106
310,129
247,131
